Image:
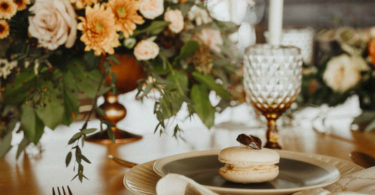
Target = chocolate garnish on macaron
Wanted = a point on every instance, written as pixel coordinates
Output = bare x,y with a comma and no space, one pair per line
249,140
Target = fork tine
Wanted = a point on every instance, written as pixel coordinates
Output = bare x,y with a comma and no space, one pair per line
53,191
58,189
70,192
63,189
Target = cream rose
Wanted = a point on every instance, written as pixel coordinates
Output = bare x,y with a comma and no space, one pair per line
199,15
212,38
53,23
341,74
151,9
176,20
146,50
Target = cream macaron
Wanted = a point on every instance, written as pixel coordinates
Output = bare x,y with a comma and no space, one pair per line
244,164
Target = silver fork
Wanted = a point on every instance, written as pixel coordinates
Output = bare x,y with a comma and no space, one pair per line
63,191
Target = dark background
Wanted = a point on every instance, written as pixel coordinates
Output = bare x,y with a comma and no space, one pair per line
327,13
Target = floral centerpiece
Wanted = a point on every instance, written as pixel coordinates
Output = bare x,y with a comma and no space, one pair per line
51,51
346,67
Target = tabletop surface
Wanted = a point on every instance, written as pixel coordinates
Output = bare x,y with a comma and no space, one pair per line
37,172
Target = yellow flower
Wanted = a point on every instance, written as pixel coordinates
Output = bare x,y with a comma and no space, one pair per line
98,30
126,16
7,9
4,29
80,4
21,4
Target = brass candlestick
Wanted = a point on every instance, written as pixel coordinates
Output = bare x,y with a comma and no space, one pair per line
127,72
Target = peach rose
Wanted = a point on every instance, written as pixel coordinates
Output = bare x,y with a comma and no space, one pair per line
341,74
53,23
146,50
212,38
151,9
176,20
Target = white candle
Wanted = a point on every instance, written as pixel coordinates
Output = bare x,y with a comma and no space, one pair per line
275,22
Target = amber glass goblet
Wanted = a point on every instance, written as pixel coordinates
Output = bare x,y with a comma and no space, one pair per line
272,80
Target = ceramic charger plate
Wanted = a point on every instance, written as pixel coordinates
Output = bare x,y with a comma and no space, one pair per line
298,171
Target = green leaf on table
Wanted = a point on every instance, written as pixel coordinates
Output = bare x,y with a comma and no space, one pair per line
68,158
88,131
74,138
78,155
111,134
365,117
154,28
22,146
5,144
188,50
31,124
86,159
100,112
370,127
209,81
202,105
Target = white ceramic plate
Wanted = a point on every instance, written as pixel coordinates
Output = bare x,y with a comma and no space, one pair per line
298,171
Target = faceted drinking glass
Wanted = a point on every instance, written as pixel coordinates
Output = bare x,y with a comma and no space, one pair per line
272,80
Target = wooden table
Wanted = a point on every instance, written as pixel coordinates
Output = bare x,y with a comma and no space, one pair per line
37,174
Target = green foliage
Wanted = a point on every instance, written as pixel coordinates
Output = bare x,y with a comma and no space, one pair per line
202,105
31,124
209,81
154,28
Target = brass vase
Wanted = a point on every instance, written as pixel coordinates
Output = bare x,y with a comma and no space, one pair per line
128,72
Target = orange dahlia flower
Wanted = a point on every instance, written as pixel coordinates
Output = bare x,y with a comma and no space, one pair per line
371,51
98,30
126,16
80,4
4,29
21,4
7,9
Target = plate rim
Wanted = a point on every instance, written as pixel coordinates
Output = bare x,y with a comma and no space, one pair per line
304,157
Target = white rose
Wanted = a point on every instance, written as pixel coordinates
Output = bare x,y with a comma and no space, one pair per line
199,15
212,38
176,20
146,50
151,9
340,74
229,10
53,23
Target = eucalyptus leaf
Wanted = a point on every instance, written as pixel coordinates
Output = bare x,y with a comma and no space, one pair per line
154,28
370,127
111,135
22,146
74,138
5,144
85,159
209,81
202,105
78,155
188,50
88,131
68,158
